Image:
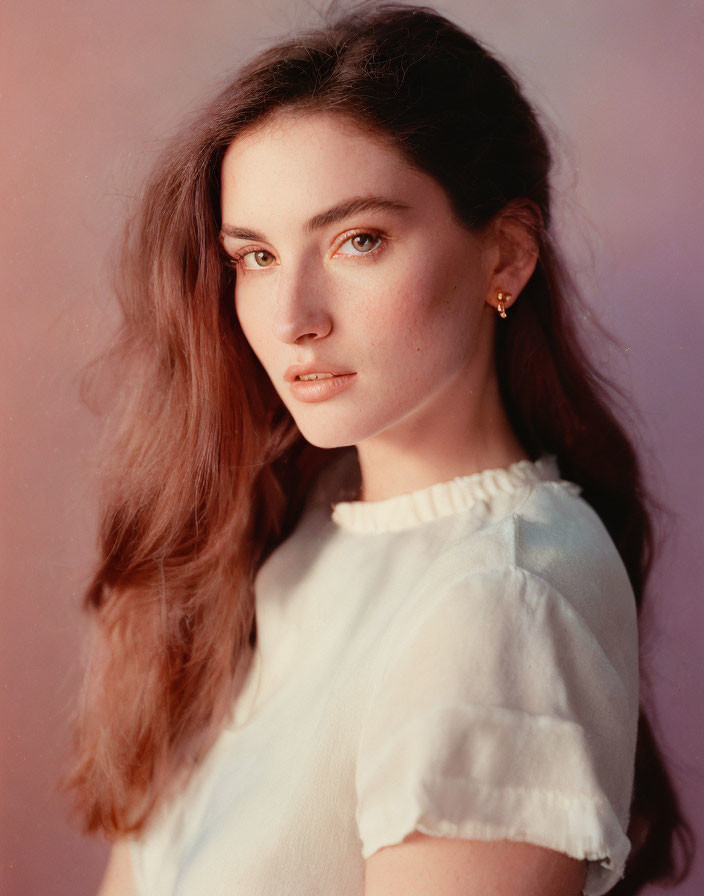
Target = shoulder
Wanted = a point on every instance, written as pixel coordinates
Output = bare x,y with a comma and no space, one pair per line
543,580
551,542
549,529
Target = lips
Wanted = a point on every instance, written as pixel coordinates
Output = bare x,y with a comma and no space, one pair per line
295,371
327,381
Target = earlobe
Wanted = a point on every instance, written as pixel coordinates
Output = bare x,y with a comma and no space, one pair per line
516,232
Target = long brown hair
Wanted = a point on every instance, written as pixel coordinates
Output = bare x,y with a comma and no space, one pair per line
208,471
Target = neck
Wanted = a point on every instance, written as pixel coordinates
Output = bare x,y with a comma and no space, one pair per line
430,448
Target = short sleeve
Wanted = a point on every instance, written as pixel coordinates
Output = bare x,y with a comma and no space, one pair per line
497,714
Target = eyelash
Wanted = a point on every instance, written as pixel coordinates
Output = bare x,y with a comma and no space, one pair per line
236,260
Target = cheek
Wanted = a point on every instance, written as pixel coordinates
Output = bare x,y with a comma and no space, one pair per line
418,306
427,324
253,328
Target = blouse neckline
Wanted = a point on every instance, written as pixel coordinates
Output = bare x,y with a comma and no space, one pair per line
444,498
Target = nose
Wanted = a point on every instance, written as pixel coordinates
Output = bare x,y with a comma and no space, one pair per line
302,313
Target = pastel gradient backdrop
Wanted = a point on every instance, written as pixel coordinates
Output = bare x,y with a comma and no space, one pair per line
88,92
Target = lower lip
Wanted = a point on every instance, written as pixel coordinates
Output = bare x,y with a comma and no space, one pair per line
321,390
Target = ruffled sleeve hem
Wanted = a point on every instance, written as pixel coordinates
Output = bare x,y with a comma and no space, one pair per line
580,825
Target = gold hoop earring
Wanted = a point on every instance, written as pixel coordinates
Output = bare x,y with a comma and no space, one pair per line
501,299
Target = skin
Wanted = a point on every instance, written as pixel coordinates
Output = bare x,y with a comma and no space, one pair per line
118,879
411,309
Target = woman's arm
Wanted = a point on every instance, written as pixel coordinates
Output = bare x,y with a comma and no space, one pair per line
118,880
439,866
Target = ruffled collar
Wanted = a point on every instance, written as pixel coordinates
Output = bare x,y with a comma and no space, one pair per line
444,498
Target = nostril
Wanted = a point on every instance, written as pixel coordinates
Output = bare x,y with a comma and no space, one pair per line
299,325
307,336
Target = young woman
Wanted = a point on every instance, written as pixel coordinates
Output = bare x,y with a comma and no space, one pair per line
373,542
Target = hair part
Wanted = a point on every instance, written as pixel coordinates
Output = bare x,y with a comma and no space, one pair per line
208,470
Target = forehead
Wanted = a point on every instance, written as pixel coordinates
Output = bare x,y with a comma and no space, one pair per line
297,162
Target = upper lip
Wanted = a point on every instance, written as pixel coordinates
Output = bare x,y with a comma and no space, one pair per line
296,370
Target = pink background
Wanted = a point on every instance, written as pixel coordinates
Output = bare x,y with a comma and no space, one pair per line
90,89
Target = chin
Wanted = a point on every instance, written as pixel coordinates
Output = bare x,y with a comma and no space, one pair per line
344,432
325,440
330,435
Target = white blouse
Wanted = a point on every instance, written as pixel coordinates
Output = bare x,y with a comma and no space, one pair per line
461,661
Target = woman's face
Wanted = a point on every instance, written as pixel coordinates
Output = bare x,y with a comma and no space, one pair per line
351,266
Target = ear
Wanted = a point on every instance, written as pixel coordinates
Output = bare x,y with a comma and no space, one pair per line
514,233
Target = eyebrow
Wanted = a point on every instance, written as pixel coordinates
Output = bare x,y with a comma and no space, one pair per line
331,216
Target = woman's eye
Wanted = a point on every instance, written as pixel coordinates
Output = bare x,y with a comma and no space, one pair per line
255,260
361,244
